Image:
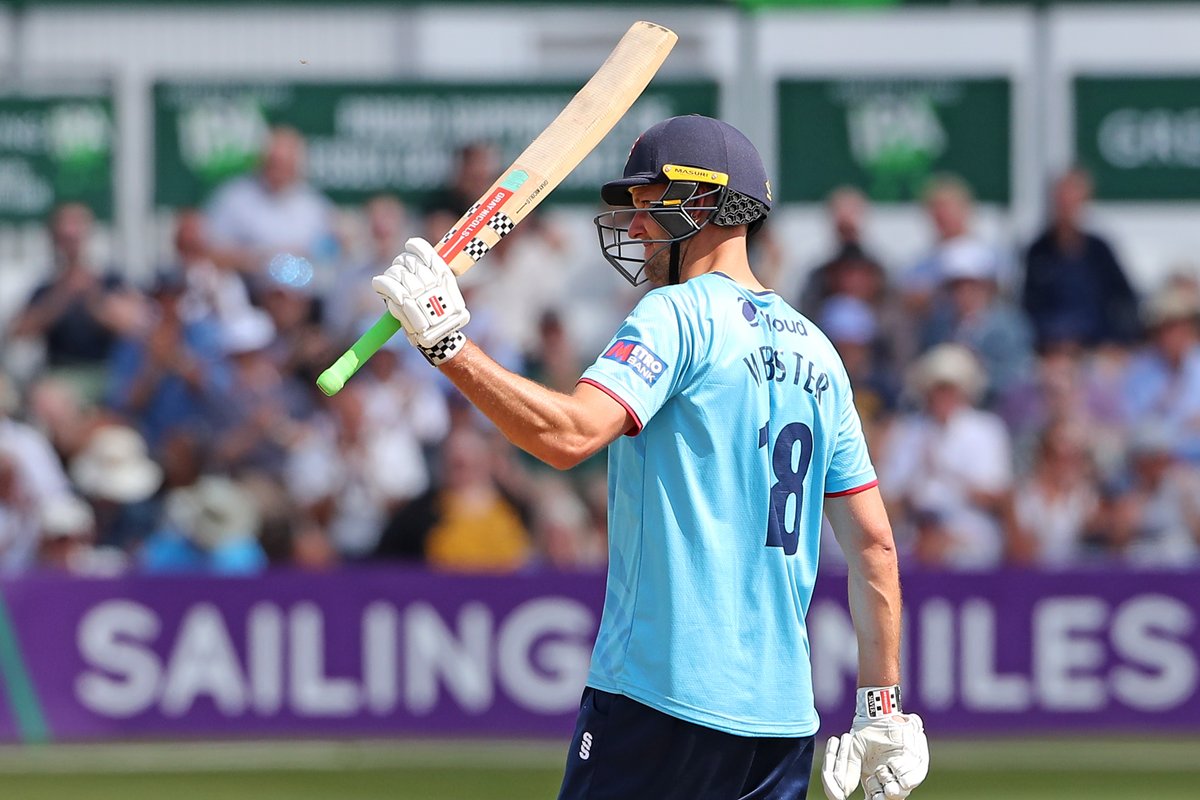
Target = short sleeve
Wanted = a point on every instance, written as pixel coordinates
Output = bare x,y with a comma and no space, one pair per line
642,366
850,469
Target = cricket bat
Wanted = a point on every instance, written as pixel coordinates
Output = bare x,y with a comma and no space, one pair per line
543,165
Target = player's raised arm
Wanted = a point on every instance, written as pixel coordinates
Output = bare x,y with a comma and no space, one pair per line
885,749
560,429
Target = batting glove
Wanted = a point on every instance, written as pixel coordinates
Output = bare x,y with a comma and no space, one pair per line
421,292
885,749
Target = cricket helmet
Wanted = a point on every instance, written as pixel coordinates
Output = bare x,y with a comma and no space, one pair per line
707,166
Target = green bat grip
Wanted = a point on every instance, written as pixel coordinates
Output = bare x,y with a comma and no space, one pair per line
333,379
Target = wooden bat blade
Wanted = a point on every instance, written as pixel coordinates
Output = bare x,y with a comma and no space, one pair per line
558,149
541,167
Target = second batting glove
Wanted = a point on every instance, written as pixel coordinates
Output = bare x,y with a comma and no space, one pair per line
885,749
422,293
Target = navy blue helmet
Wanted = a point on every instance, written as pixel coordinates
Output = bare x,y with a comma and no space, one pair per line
707,166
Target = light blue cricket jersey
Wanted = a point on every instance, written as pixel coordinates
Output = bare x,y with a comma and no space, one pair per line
714,507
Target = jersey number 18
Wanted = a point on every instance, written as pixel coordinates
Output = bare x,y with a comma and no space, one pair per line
783,529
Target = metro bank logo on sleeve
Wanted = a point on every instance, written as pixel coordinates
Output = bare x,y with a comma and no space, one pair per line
638,358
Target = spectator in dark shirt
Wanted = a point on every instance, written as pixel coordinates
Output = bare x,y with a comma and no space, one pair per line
1075,289
79,311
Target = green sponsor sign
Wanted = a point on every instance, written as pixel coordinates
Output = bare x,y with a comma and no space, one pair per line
53,150
366,138
888,135
1140,137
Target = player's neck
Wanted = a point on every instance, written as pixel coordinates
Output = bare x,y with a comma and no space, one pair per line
725,254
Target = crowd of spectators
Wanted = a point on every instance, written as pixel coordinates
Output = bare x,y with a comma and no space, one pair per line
1022,407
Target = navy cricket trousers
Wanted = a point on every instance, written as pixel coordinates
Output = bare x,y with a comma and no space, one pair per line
624,750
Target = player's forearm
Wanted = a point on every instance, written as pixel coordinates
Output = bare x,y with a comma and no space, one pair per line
862,528
542,422
874,590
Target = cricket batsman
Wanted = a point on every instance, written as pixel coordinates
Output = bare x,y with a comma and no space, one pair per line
731,427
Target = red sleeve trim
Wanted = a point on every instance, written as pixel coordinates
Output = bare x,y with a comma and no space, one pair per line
636,428
855,490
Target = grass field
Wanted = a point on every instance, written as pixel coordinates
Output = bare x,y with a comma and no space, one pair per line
1009,769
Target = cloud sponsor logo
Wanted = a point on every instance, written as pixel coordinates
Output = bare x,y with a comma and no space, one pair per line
641,359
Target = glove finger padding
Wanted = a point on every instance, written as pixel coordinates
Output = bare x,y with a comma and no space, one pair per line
420,290
841,768
896,756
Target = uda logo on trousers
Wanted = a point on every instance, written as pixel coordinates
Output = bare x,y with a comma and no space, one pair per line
585,746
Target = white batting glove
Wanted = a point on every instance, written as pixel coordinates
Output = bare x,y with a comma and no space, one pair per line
421,292
885,749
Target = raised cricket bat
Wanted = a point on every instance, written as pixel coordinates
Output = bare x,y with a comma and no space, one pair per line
573,134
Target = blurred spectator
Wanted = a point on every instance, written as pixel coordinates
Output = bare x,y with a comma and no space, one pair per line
209,527
18,517
211,292
851,325
352,305
553,361
1071,385
301,348
1075,288
950,206
259,416
119,479
394,397
1156,519
1056,506
977,317
68,541
947,471
31,478
517,288
29,446
60,412
562,529
351,471
847,211
254,218
170,374
476,167
465,523
1162,381
80,310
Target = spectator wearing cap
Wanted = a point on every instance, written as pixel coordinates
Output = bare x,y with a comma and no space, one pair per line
258,416
976,317
1162,379
211,527
947,469
1156,514
1075,288
254,218
950,206
851,326
170,374
117,476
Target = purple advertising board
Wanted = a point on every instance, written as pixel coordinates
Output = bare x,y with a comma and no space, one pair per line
381,651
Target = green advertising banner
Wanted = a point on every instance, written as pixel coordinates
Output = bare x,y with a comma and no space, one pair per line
888,135
1140,136
368,138
55,149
